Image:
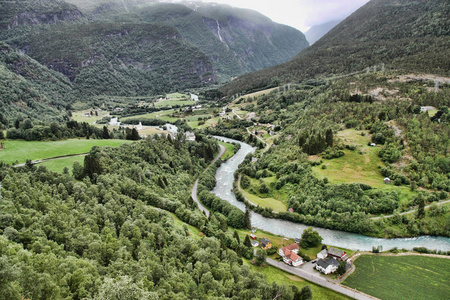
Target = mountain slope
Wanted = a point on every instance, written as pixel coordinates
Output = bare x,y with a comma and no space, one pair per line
32,12
405,35
136,47
116,59
30,89
318,31
236,40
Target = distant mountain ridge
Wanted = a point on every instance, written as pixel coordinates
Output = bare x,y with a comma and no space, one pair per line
405,35
136,47
318,31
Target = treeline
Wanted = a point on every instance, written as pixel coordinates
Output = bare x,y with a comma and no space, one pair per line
27,130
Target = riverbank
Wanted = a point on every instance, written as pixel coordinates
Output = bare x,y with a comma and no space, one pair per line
224,187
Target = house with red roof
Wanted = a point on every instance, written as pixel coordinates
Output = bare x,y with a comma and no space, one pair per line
290,255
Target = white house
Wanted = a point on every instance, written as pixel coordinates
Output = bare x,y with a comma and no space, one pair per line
293,259
190,136
322,254
194,97
327,266
114,122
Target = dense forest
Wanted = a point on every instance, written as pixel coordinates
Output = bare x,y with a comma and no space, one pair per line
114,231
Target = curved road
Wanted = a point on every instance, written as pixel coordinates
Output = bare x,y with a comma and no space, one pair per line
195,187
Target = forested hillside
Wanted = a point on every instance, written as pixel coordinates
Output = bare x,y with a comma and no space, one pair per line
145,47
29,89
116,233
403,35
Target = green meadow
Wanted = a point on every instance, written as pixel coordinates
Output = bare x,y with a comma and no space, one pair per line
20,151
402,277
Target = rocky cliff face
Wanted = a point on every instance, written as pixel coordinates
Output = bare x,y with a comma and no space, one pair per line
35,18
32,13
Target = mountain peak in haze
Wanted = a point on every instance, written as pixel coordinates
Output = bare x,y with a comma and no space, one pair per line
318,31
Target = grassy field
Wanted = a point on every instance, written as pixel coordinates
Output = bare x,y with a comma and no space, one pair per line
402,277
273,274
23,150
229,152
163,115
58,165
274,199
80,117
356,167
275,205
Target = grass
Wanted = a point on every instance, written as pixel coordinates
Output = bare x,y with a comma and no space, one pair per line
58,165
192,231
280,277
360,168
79,116
163,115
229,152
402,277
170,103
275,205
273,199
23,150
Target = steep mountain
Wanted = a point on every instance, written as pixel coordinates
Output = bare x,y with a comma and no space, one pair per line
35,12
318,31
404,35
119,59
236,40
145,47
30,89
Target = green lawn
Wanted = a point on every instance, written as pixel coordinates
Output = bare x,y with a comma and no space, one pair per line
23,150
402,277
229,152
57,165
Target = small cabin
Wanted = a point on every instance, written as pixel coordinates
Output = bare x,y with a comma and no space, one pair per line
387,180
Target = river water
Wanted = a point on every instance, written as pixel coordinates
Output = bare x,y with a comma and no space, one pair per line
223,189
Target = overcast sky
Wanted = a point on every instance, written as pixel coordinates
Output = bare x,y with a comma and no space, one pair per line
301,14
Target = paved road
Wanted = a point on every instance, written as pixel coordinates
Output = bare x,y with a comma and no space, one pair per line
195,187
319,280
50,158
410,211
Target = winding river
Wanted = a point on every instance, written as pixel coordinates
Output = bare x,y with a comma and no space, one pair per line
224,186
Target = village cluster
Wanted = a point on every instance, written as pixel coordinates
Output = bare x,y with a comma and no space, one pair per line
327,260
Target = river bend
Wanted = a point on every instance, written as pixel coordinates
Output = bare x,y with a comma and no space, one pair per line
223,189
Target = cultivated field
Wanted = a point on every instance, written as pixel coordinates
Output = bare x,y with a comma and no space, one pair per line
20,151
402,277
